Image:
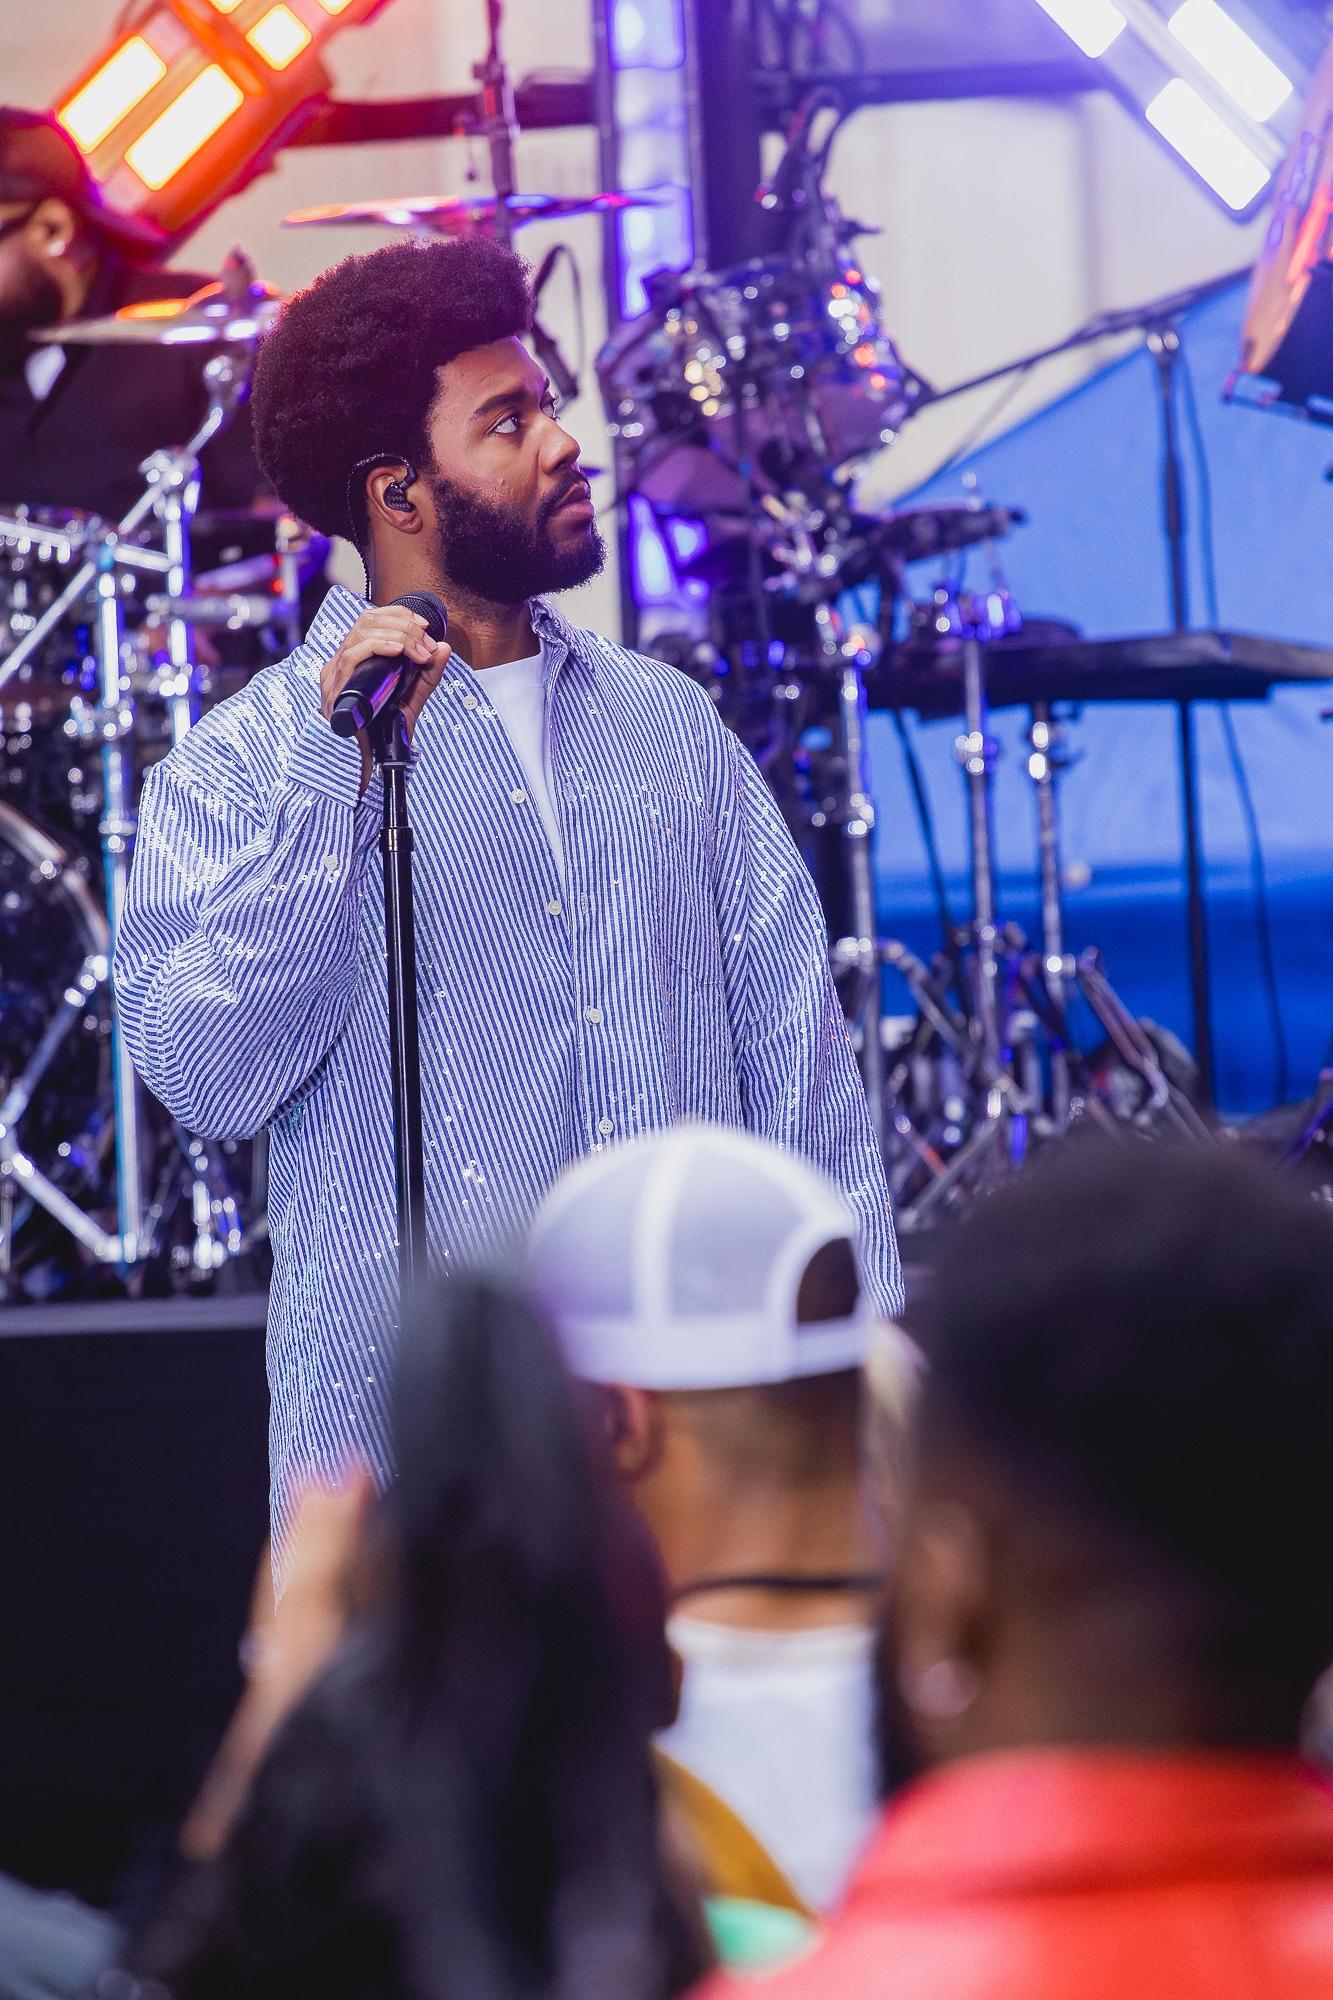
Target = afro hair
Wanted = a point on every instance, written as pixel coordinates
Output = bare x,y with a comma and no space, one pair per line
348,372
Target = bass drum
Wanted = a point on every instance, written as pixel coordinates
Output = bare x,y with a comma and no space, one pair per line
55,1030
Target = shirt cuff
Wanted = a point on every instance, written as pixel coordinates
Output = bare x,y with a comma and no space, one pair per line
326,763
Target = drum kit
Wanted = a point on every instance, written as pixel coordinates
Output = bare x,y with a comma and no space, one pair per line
743,405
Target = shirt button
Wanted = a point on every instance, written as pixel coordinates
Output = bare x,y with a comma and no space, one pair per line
593,1016
606,1126
470,701
554,907
518,796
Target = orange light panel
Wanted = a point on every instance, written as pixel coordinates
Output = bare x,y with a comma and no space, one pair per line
124,78
279,37
224,6
202,108
334,6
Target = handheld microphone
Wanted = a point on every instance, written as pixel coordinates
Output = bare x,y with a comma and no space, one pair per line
386,676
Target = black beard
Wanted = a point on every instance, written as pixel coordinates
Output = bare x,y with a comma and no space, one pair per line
493,553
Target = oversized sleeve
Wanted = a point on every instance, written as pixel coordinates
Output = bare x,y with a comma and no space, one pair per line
799,1079
237,952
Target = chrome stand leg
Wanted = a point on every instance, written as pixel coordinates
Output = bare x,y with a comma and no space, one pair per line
175,509
1136,1050
1056,968
976,751
858,953
117,835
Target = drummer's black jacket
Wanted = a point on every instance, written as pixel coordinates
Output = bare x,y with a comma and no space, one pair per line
110,407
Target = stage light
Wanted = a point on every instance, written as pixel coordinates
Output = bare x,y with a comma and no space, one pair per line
1202,82
1205,140
1092,24
109,95
335,6
279,37
203,108
646,34
224,6
1230,56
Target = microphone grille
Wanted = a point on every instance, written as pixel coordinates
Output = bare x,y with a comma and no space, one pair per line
425,604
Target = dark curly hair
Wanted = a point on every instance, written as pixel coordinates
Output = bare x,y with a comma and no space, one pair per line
348,372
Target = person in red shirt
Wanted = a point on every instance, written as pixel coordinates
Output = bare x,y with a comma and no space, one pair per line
1111,1603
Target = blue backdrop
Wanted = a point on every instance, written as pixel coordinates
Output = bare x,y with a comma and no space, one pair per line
1087,471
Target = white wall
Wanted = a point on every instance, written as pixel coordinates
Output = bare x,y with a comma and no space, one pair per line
1004,225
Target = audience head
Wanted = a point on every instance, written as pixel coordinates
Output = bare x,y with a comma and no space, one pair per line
1118,1501
55,223
464,1801
705,1283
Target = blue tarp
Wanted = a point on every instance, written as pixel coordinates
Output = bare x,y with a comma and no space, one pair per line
1087,471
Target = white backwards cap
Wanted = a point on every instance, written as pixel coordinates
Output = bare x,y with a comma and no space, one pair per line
674,1262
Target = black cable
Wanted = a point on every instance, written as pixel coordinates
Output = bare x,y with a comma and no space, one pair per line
1263,923
926,821
977,431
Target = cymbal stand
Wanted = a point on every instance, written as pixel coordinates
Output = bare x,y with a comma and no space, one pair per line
176,478
115,719
1049,986
499,121
1044,760
857,954
977,751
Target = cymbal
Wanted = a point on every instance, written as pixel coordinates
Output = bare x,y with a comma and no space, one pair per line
921,534
457,215
1166,666
914,534
235,315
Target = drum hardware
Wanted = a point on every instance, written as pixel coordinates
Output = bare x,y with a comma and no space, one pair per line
55,1139
231,312
169,477
464,214
236,612
1022,1078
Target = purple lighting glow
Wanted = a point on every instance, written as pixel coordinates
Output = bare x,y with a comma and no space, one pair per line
647,34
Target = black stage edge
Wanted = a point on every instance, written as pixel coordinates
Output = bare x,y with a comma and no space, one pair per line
134,1502
133,1496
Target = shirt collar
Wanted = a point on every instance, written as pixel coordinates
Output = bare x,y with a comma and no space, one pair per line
342,607
1016,1821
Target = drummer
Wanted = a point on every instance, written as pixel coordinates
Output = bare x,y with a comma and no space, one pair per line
76,422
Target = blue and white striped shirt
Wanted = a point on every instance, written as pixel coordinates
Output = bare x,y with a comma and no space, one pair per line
676,969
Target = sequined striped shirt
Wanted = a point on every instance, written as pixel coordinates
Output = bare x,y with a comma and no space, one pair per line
675,967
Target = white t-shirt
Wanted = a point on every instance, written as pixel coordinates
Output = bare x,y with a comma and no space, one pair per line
782,1726
514,690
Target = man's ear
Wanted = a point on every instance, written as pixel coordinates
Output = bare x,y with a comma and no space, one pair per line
52,227
633,1421
390,499
944,1585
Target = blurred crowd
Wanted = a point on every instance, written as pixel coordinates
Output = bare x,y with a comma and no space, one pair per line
715,1634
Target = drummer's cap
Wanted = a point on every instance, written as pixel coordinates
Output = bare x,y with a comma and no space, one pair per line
39,159
677,1262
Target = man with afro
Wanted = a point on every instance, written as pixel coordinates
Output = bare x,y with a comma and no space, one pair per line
614,929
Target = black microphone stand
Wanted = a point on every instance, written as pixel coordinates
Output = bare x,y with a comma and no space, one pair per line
390,748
